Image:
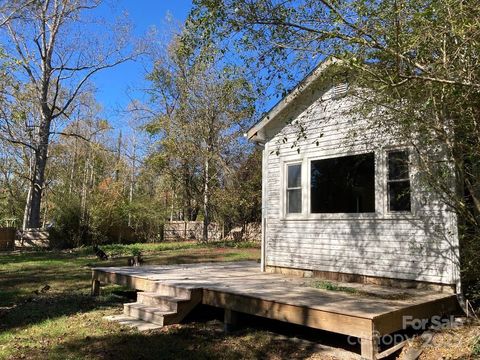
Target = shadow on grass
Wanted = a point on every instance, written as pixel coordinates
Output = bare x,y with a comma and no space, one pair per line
38,286
201,336
37,308
189,341
20,285
305,339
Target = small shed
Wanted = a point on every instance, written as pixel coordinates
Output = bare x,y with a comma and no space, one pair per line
342,201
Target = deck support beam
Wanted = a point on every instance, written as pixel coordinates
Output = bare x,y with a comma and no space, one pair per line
230,322
95,287
369,348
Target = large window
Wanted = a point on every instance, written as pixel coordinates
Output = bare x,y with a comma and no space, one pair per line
294,189
398,181
343,184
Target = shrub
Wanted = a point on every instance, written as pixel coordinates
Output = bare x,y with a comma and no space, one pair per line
67,230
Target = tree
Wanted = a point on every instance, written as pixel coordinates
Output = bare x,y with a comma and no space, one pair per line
238,202
56,60
418,58
15,159
201,109
12,183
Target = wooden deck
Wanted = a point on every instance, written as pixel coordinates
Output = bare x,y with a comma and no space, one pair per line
367,314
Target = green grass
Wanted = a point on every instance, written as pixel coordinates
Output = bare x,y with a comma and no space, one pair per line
327,285
476,347
65,322
235,244
116,250
144,248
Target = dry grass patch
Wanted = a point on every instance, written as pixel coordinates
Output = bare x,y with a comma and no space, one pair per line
457,343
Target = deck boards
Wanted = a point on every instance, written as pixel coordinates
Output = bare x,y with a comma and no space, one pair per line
242,287
245,278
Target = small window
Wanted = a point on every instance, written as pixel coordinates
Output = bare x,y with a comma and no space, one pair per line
294,189
398,181
343,185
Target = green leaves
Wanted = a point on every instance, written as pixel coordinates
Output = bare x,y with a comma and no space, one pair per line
200,114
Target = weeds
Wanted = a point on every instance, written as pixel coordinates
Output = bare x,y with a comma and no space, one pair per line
327,285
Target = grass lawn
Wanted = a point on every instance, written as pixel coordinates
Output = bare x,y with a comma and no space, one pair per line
65,322
62,321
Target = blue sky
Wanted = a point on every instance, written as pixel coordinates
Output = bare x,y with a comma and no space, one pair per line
114,85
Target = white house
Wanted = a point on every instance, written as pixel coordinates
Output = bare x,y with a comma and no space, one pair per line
341,201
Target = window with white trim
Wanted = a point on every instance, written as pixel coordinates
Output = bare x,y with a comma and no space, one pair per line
398,181
294,188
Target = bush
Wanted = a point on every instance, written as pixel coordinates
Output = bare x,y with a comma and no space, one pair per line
67,230
146,217
470,264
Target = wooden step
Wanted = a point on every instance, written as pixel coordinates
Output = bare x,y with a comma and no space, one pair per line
170,290
125,320
161,301
150,314
164,306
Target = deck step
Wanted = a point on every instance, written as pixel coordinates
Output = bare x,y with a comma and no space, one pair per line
167,305
152,314
163,302
133,322
170,290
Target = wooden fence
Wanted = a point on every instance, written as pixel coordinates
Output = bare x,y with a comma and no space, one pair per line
7,238
34,238
189,230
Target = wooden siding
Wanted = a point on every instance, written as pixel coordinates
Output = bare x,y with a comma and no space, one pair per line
419,246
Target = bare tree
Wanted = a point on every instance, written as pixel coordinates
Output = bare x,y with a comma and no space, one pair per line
56,56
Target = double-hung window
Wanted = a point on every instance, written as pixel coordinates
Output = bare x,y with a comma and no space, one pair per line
398,181
294,188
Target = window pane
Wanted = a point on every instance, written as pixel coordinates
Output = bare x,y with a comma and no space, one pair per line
343,185
397,165
294,175
399,196
294,201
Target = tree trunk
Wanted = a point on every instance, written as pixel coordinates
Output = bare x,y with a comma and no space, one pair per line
74,162
172,208
132,183
41,155
26,212
119,156
45,208
83,197
206,200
